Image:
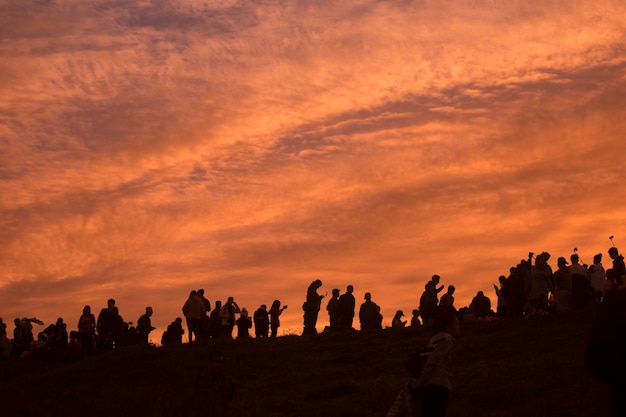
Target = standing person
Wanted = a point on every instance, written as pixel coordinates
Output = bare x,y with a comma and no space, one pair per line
312,307
581,287
193,309
619,269
244,323
109,326
434,382
332,308
597,277
540,285
214,389
275,312
562,279
346,309
144,326
227,315
215,321
204,320
369,314
430,300
261,322
87,331
503,293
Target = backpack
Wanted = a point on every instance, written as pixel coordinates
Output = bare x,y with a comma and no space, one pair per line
416,360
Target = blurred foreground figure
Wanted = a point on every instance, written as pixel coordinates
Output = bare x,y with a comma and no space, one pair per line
427,393
606,346
215,389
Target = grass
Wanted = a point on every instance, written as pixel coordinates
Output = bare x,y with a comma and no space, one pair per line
517,367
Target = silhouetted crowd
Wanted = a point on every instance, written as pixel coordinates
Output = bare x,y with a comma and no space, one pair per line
531,287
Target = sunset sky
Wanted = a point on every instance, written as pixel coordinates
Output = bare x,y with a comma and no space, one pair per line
148,148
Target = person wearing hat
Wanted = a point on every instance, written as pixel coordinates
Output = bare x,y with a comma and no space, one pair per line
562,279
397,322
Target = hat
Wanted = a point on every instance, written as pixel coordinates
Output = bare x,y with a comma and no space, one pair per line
562,260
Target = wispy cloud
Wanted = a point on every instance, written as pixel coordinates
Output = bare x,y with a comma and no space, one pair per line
148,148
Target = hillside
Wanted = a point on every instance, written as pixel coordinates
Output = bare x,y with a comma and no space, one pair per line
516,367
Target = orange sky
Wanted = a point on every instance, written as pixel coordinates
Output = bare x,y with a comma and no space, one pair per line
148,148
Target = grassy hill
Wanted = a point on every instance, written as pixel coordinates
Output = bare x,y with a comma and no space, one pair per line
518,367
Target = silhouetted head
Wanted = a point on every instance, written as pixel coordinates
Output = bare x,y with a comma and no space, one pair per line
230,300
399,313
193,292
201,291
244,312
574,258
416,312
149,311
597,258
436,279
86,310
368,296
451,289
179,320
263,307
613,252
218,304
335,292
276,304
317,283
110,303
350,289
562,262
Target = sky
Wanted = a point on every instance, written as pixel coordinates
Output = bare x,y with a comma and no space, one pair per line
149,148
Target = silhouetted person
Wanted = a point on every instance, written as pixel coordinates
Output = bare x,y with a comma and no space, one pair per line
174,333
518,277
109,326
619,269
215,321
204,320
333,310
6,349
311,307
275,312
562,279
606,346
397,322
415,319
430,300
261,322
144,326
227,314
597,276
581,287
447,300
215,390
346,309
193,309
87,331
541,284
369,314
503,292
244,323
480,306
